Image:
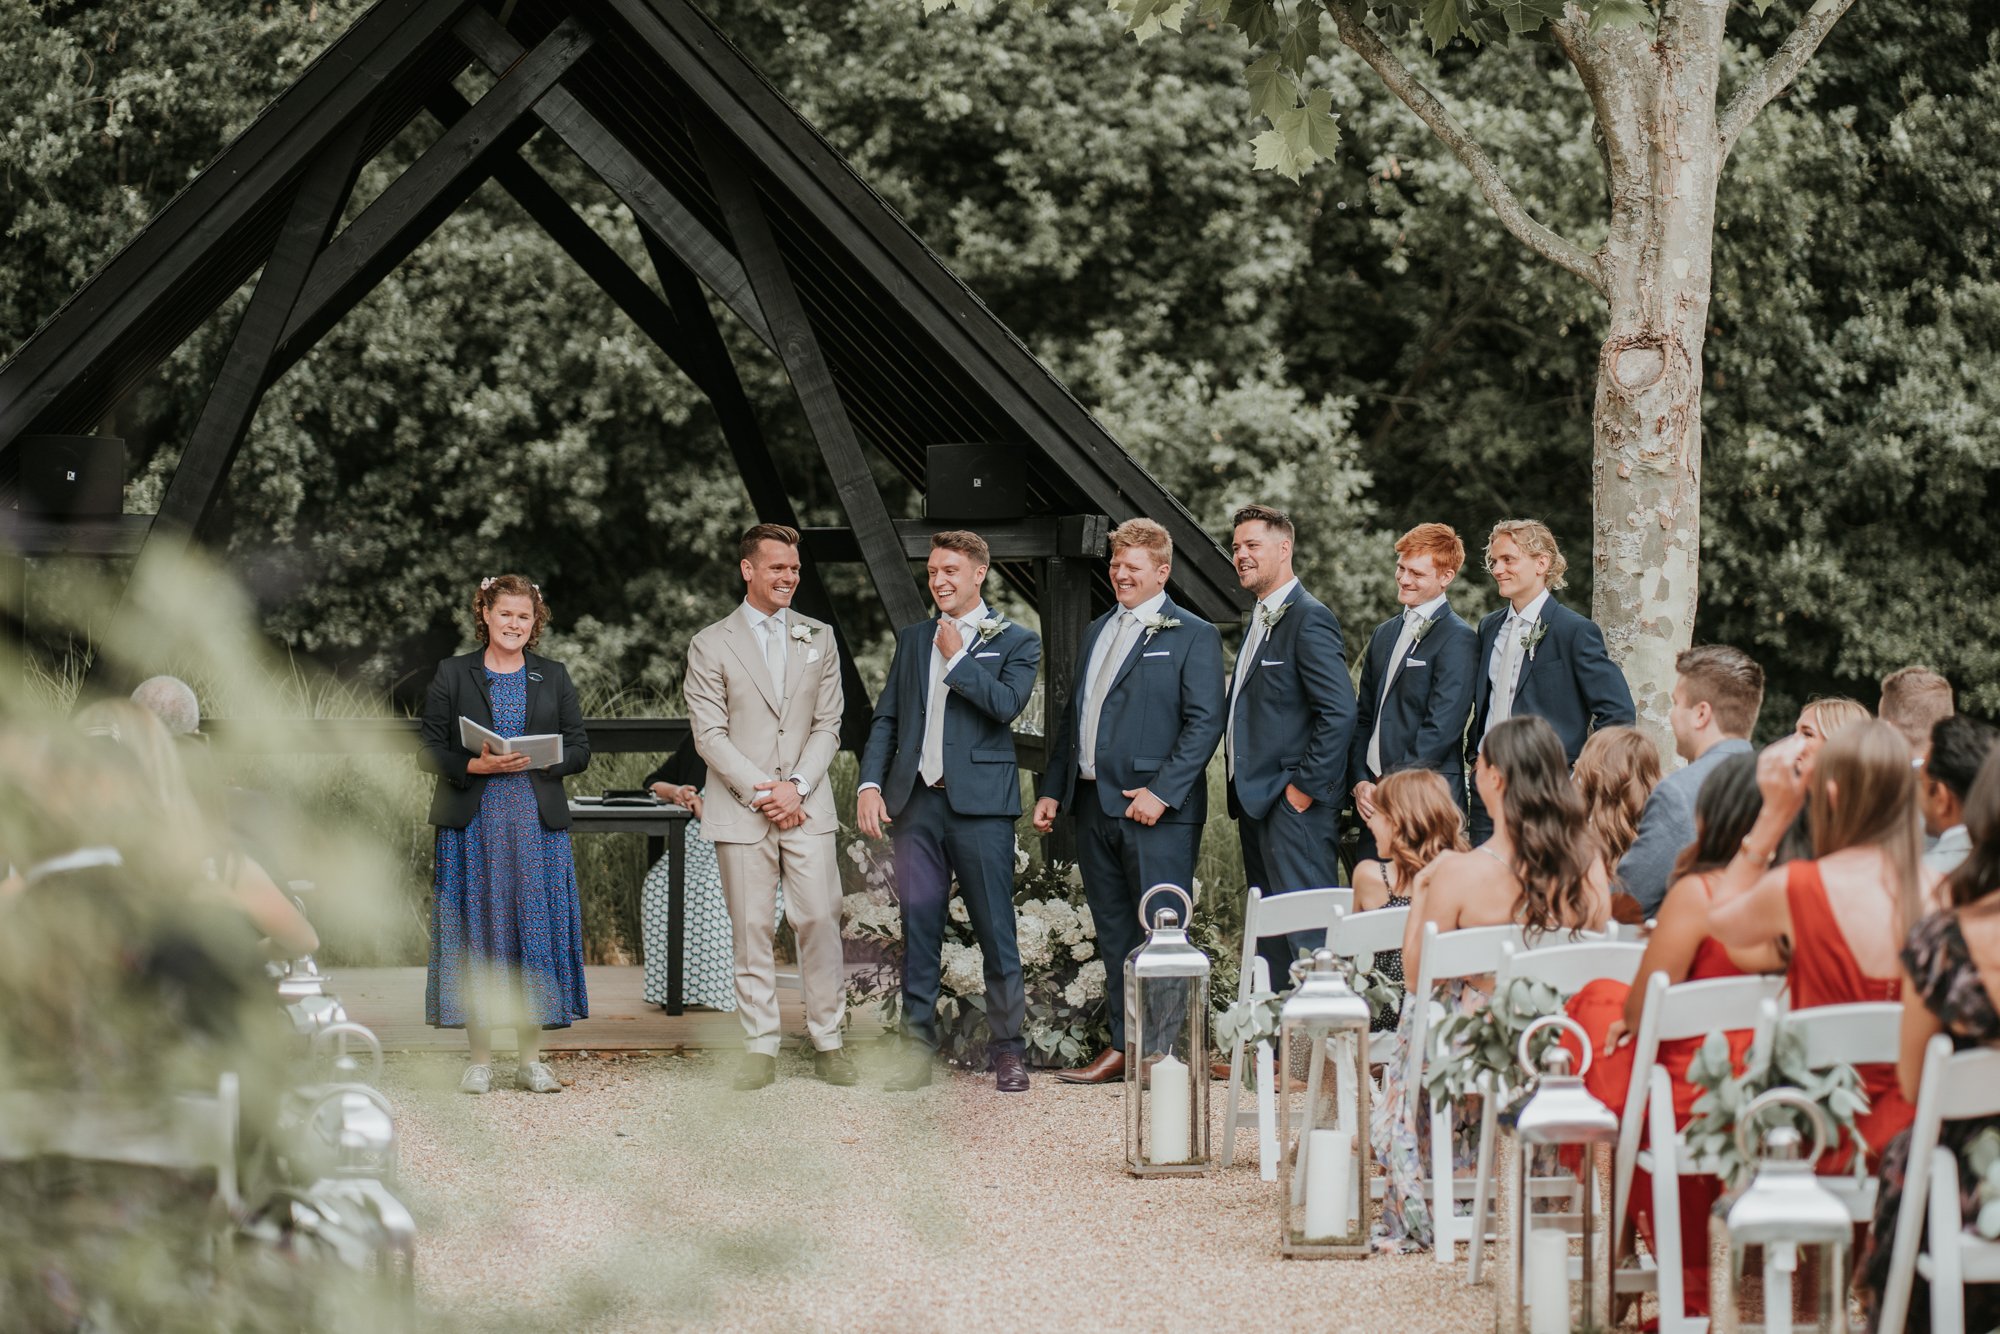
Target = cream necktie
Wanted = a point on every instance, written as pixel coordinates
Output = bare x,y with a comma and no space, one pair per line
774,656
1121,630
1510,669
1412,621
930,760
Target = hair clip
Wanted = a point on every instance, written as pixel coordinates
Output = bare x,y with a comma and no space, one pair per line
486,583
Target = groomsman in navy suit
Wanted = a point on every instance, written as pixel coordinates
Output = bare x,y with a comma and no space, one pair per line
1537,656
1130,757
1417,680
1291,725
939,767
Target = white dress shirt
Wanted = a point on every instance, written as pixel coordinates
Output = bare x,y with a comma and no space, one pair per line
1090,706
940,667
1253,642
1413,618
1517,623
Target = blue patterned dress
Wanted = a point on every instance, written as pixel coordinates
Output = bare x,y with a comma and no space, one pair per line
506,928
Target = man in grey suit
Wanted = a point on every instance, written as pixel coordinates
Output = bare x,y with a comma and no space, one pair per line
1130,757
763,697
1717,694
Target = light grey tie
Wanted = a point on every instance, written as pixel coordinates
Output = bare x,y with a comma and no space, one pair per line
930,761
1510,668
1412,620
774,655
1253,642
1122,628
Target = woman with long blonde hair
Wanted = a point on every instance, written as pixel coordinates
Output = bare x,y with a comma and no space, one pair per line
1615,772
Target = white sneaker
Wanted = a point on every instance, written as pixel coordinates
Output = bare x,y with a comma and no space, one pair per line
536,1077
476,1079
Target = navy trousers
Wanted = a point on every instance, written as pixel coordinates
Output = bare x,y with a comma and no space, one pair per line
1120,860
1284,851
932,845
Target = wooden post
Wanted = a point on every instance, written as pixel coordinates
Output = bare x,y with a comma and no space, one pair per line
1066,609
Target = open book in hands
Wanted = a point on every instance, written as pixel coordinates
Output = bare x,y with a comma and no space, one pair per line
542,750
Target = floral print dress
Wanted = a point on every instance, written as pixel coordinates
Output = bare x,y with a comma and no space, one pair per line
1400,1127
1942,969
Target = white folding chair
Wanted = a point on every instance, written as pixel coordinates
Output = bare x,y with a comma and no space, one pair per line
1671,1014
1264,918
1864,1033
1568,968
1373,932
1447,956
1955,1086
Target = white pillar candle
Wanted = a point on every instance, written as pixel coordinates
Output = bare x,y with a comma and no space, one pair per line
1548,1281
1167,1111
1781,1260
1329,1178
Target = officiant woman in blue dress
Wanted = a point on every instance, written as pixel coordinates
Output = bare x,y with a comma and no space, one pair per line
506,928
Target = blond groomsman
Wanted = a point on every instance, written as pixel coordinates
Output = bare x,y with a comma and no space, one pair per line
763,696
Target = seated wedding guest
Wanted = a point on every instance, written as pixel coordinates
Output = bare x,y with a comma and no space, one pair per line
1914,699
1681,947
1949,963
1843,911
1956,750
1615,773
1717,693
708,954
144,742
1415,818
1821,719
172,701
1538,869
506,925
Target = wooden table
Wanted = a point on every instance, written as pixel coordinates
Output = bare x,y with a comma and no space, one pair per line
663,824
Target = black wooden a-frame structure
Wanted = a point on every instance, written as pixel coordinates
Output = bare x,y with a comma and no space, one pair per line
732,191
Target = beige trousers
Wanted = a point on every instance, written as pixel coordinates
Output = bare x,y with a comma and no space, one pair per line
806,864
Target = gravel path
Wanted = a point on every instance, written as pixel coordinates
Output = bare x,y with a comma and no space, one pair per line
649,1195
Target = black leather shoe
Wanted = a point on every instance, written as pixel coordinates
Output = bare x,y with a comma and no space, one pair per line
757,1071
834,1067
913,1070
1010,1073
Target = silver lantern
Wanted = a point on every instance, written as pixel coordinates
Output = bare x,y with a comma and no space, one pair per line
1166,1046
1797,1222
1553,1143
1326,1157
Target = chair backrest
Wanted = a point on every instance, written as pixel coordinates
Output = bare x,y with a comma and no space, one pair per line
1265,917
1466,952
1862,1033
1370,932
189,1132
1569,967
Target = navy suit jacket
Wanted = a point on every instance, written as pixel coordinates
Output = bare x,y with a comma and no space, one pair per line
1294,712
989,688
1161,720
1428,705
1570,681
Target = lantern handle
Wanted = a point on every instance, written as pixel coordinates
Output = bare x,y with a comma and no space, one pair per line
1787,1097
1559,1021
345,1030
1145,924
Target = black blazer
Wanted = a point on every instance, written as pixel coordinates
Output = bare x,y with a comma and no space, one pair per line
1570,679
1429,703
460,688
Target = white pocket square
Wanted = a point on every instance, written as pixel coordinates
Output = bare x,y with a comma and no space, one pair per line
1160,653
812,655
1415,662
1272,662
986,655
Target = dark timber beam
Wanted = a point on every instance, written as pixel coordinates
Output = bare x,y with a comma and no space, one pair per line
239,387
1064,584
429,191
1036,538
812,381
651,202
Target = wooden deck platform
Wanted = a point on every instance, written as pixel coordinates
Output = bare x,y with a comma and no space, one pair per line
391,1002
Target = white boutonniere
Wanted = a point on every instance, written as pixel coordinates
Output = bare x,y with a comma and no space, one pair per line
1533,637
804,633
1270,616
989,629
1156,623
1423,628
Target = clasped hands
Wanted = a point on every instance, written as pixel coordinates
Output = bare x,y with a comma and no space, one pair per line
1143,806
779,801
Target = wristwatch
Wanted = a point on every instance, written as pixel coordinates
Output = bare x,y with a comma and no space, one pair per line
805,788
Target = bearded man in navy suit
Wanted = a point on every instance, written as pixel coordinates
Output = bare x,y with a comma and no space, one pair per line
1537,656
1130,757
1417,679
939,766
1290,727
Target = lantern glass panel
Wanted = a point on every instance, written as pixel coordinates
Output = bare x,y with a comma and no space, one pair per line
1324,1203
1166,1048
1786,1234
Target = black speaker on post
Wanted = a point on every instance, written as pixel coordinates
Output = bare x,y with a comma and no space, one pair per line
971,482
71,476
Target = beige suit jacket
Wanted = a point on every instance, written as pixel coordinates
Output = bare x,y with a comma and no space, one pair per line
747,738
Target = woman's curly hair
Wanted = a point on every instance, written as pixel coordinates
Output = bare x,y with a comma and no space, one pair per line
495,587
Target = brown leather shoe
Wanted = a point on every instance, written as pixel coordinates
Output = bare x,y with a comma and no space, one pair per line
1109,1065
1010,1072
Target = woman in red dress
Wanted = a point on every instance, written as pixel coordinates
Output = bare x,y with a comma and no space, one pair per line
1845,913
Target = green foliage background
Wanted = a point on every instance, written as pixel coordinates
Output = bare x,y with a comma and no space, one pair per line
1370,349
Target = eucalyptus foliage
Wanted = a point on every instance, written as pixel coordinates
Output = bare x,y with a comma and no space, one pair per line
1711,1134
1480,1049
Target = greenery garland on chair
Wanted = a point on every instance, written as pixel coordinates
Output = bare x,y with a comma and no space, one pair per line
1467,1049
1711,1134
1982,1161
1254,1018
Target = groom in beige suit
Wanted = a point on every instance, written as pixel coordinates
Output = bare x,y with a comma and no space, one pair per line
763,697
